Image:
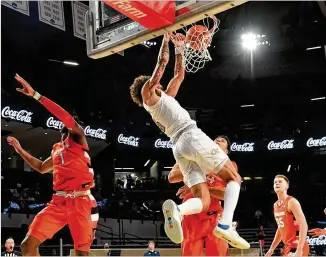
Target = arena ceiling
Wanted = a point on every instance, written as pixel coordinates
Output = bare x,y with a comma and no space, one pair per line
280,80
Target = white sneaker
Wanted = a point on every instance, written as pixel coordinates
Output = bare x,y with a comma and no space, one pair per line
172,221
228,233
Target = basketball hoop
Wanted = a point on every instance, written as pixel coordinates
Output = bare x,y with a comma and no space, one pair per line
193,46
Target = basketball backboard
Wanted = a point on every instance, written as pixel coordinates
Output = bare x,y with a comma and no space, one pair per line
109,32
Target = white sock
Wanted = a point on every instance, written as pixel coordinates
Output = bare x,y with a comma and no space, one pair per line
191,206
231,197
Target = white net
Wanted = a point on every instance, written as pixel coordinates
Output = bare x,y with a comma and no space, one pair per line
194,43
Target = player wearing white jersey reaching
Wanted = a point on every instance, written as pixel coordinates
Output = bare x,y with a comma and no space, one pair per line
193,150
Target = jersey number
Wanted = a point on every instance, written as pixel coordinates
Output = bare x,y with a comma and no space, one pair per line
280,222
61,157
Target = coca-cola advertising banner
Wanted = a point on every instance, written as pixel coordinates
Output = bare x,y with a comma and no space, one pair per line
97,133
316,142
163,143
17,115
243,147
281,145
314,241
128,140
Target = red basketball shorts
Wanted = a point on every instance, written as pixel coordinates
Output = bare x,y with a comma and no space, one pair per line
79,213
198,234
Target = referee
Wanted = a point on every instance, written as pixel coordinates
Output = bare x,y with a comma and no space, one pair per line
9,251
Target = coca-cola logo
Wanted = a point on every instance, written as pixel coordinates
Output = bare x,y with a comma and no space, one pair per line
52,123
321,240
316,142
246,147
96,133
22,115
285,144
163,144
132,141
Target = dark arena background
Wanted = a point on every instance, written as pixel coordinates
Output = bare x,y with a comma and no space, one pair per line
268,98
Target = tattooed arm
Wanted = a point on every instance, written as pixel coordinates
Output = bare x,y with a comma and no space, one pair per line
179,74
162,61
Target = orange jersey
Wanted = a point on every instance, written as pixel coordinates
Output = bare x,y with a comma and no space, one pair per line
285,221
71,167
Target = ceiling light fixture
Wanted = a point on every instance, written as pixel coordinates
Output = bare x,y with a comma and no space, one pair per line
249,41
70,63
147,163
318,98
247,105
289,168
313,48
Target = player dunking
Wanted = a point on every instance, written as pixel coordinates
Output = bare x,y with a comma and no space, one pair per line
72,203
198,228
193,150
288,212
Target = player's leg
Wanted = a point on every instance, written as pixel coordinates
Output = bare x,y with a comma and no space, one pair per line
173,213
306,249
215,246
45,224
211,158
193,247
80,224
193,244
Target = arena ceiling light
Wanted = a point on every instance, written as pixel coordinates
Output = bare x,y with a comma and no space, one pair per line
71,63
251,41
247,105
147,163
318,98
313,48
289,168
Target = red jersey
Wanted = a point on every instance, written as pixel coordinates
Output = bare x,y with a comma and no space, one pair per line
72,168
285,221
212,180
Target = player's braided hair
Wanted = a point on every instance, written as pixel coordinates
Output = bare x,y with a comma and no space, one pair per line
136,87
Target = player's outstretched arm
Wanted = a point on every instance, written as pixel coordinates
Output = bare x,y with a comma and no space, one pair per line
275,243
52,107
295,208
38,165
315,232
162,61
175,175
179,74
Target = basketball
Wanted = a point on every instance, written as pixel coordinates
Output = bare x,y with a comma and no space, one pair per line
198,37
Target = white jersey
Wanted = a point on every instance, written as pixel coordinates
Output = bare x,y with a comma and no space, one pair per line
169,116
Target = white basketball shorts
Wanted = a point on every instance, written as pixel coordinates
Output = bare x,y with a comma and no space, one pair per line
197,155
